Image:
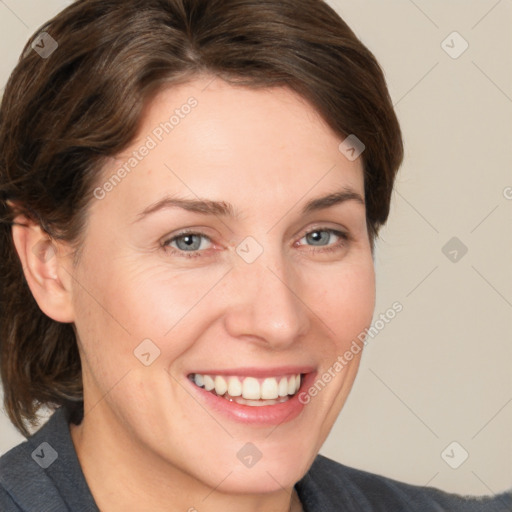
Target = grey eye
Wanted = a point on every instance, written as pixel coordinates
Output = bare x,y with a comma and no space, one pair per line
322,236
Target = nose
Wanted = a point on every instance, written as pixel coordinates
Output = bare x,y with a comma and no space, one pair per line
265,302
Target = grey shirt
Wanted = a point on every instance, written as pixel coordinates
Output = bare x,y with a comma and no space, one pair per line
43,475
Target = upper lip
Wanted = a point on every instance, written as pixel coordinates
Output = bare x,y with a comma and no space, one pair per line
261,372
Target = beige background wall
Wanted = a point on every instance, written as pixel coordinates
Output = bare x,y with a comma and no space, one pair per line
440,371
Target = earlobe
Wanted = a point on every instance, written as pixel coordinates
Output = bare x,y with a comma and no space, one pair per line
45,269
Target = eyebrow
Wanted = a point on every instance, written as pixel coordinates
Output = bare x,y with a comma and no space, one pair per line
224,209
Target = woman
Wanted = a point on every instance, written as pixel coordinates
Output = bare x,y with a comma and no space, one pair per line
190,192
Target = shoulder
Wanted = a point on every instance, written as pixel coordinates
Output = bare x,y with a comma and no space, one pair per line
7,504
328,484
36,470
22,480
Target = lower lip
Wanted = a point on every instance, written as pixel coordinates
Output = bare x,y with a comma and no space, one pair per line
257,415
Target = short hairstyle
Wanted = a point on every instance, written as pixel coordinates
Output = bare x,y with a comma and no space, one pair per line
62,116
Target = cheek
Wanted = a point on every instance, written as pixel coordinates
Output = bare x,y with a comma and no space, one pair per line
139,298
346,299
133,301
158,301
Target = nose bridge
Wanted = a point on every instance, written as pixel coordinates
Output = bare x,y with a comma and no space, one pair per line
265,301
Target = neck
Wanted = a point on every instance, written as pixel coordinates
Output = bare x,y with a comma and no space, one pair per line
122,477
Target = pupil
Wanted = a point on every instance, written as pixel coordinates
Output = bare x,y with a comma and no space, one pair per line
317,235
188,242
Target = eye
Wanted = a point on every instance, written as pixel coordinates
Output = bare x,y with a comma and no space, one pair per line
320,237
186,242
189,244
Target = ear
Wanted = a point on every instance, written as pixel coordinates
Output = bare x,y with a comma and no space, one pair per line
47,268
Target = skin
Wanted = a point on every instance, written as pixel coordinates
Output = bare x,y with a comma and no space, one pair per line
144,442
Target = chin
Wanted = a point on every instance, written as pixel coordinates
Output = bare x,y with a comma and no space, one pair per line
260,479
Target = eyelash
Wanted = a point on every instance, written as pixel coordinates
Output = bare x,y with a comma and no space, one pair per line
195,254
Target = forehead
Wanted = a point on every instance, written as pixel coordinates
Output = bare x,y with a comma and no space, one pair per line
212,139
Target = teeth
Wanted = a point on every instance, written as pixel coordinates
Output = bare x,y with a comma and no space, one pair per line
221,385
250,388
269,389
257,403
209,384
283,387
291,386
234,386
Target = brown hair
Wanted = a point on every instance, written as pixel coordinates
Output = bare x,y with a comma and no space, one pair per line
63,114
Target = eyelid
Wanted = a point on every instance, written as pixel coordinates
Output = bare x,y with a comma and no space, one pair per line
187,231
325,227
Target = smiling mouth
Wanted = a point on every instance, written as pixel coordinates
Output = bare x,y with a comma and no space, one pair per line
248,390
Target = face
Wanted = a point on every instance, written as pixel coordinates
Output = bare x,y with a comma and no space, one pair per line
262,285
